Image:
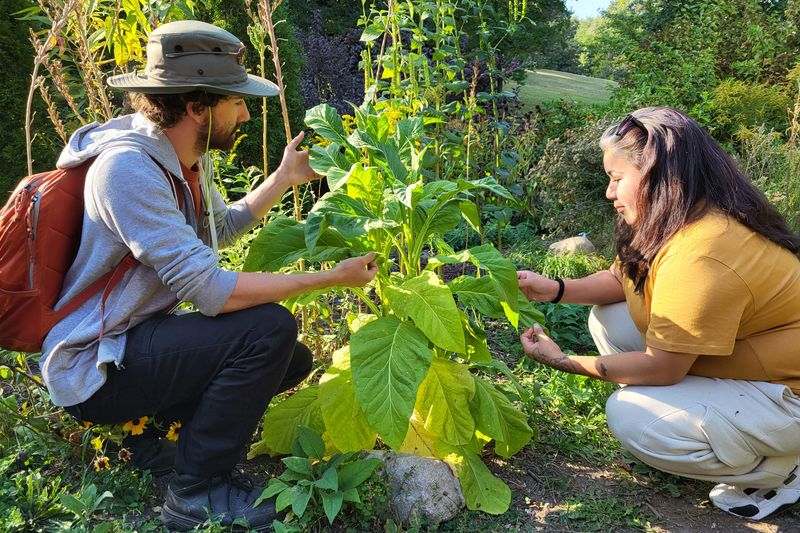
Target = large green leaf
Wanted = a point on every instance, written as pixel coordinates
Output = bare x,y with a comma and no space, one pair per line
346,424
279,243
477,347
282,421
326,122
504,272
482,490
496,417
409,130
439,220
443,401
489,184
389,360
481,294
366,184
329,161
351,217
500,269
430,304
282,242
471,213
528,312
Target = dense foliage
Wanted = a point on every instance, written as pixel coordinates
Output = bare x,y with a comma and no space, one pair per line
431,163
405,376
16,50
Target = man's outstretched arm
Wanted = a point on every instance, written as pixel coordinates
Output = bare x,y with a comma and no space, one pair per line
256,288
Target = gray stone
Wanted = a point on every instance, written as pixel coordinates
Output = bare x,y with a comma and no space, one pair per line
573,245
420,486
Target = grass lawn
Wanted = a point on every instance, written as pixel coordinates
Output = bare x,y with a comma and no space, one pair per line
548,85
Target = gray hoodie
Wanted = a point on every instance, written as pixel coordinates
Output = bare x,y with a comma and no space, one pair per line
130,206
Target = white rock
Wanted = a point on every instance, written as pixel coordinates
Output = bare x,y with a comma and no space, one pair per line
573,245
420,486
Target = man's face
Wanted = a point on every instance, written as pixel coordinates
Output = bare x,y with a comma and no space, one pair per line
226,118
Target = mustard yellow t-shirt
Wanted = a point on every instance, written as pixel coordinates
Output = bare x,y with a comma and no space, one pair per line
728,294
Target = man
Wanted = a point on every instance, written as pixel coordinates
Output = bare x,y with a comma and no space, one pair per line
127,356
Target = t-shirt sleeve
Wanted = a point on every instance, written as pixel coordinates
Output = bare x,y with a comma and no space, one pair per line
697,306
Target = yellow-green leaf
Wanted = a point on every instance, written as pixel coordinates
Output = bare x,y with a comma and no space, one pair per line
443,401
482,490
389,360
282,420
477,347
430,304
345,422
496,417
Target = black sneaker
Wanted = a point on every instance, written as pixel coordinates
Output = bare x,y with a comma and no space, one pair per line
192,500
151,453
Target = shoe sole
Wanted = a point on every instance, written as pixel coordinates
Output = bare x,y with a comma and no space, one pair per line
175,521
759,514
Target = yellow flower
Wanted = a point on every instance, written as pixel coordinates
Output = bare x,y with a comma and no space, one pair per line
101,462
393,115
174,430
135,427
97,443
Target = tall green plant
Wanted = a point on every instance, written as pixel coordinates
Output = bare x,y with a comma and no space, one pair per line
406,375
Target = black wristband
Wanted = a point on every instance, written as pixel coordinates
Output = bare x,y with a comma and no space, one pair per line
560,291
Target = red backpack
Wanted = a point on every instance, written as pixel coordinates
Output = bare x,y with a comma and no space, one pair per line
40,230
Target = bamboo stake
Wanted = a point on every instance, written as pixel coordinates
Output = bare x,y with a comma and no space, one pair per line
256,34
42,49
266,12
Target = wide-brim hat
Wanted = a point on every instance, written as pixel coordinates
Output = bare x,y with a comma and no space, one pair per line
191,55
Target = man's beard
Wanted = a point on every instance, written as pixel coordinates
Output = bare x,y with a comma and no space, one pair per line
220,139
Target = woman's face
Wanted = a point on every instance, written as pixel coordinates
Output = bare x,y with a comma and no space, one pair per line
623,186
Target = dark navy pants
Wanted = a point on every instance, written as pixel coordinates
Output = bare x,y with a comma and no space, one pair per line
216,375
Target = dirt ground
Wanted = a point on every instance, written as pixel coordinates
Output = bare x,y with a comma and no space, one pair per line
624,497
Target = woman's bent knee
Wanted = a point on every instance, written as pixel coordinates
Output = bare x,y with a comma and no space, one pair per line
618,413
613,330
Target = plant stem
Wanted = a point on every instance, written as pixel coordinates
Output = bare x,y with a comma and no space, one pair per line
367,301
266,12
264,124
42,49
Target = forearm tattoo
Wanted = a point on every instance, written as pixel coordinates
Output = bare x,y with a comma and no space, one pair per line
563,362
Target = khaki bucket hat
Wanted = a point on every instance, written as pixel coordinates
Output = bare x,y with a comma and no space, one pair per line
188,55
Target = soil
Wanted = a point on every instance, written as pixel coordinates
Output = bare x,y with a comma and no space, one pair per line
545,486
544,483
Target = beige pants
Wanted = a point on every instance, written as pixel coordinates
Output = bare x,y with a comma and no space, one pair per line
744,433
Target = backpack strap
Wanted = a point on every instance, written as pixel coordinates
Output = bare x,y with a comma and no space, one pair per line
109,281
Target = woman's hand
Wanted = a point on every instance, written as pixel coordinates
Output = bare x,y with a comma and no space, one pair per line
356,271
541,347
294,167
536,287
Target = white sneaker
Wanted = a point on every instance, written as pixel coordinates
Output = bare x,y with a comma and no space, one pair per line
757,504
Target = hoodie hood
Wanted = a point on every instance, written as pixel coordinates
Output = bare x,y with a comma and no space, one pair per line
129,130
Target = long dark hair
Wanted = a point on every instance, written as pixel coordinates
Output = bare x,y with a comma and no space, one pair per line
686,173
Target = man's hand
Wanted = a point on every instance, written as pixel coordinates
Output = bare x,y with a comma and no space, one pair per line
541,347
294,168
536,287
356,271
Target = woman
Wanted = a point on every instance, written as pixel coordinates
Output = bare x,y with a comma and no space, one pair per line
699,316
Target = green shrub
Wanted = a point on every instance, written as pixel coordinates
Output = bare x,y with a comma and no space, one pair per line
735,104
572,266
16,50
565,190
774,167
